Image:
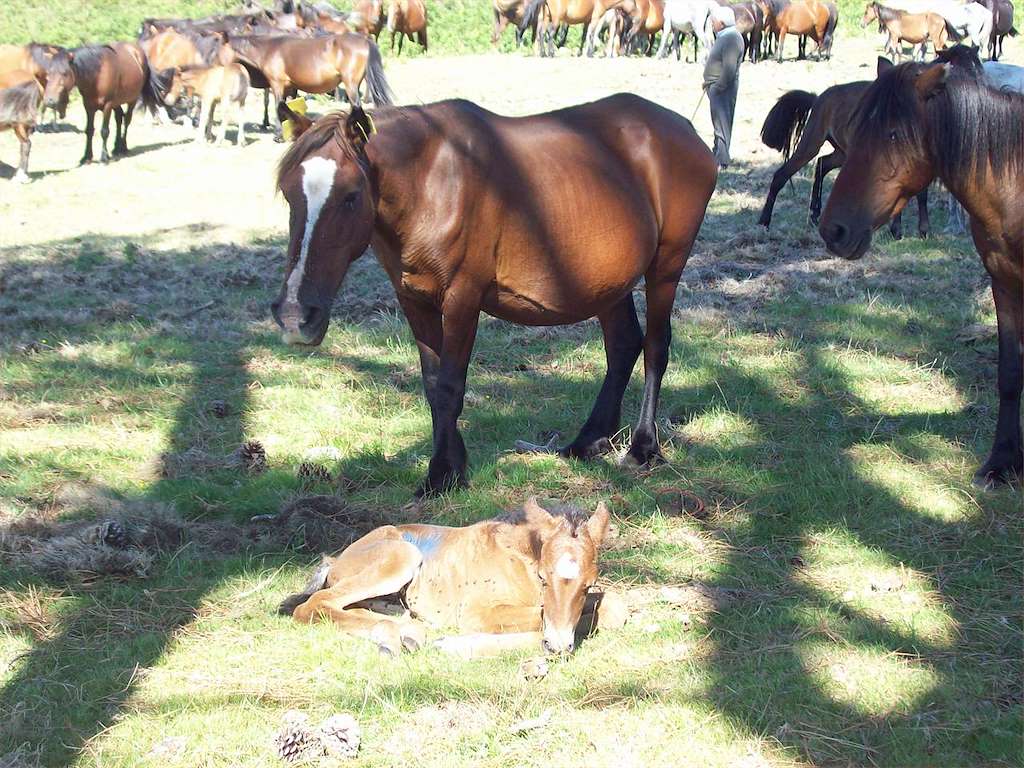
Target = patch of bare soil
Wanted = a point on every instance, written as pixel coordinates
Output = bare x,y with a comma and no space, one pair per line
129,537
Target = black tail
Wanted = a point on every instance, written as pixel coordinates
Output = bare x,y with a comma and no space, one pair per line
1013,32
530,12
316,583
376,84
20,103
786,120
953,33
155,88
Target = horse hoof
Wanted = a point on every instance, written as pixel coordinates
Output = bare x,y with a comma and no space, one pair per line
21,178
599,447
990,477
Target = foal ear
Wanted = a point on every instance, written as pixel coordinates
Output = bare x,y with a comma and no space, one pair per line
884,65
597,525
931,81
358,128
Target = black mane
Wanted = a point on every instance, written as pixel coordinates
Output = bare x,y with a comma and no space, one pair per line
966,127
87,60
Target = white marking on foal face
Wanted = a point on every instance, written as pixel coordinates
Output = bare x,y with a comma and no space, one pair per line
317,182
567,567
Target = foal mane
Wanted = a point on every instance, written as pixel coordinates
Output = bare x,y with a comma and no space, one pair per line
967,127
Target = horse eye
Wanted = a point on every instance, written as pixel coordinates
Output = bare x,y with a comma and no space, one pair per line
893,137
350,201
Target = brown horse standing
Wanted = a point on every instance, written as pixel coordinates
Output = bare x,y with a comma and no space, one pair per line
518,581
810,121
109,76
20,98
50,65
916,123
315,65
227,86
802,17
464,220
914,28
408,18
549,15
1002,25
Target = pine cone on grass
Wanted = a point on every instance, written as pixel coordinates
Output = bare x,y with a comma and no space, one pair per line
252,456
314,473
114,534
296,741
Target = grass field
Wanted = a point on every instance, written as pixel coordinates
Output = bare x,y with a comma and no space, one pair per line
846,597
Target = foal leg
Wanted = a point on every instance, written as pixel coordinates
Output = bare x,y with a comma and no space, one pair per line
661,294
498,629
623,341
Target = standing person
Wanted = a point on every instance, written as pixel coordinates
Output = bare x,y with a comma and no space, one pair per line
721,79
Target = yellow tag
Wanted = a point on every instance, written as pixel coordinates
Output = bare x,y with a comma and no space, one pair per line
298,106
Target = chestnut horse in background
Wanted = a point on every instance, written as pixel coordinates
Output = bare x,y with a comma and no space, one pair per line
519,581
802,17
227,86
407,18
108,77
919,122
914,28
367,18
807,121
20,98
287,65
464,220
50,65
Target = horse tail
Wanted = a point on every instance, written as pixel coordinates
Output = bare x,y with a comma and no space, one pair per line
422,36
317,582
20,103
1013,32
155,87
786,120
530,12
953,33
376,84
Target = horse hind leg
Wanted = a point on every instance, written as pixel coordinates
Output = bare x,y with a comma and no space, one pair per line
24,133
824,167
104,135
623,342
90,129
811,141
118,128
923,222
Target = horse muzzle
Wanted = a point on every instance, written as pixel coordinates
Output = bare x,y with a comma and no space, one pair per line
847,242
559,640
301,324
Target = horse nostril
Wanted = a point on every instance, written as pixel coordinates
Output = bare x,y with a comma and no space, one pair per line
835,234
310,315
547,647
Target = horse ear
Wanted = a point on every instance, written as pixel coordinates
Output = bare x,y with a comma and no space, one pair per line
931,81
597,525
884,65
358,128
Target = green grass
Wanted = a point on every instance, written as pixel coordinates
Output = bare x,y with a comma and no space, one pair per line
870,609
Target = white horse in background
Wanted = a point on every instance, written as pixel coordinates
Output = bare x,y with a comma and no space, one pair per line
690,17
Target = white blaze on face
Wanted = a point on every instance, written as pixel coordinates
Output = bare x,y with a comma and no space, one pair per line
317,182
567,567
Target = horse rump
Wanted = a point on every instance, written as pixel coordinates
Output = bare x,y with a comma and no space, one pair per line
20,104
530,14
785,121
317,582
376,84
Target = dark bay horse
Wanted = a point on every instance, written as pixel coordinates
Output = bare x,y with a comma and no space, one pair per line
464,220
1002,25
287,64
108,78
518,581
809,121
918,122
20,98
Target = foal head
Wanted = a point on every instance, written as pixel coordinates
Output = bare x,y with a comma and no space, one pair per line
324,179
567,570
888,160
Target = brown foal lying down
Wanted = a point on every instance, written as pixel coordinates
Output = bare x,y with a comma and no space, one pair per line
519,580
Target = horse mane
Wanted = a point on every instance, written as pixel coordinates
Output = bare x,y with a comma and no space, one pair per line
885,13
87,59
330,126
949,128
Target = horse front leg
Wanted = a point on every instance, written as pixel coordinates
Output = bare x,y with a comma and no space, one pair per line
460,318
623,341
104,134
90,129
24,134
823,168
1006,461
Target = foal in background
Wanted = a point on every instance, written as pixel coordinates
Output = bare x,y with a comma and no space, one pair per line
227,86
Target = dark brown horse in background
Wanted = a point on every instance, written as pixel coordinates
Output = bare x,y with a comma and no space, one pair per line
808,121
407,18
1002,25
464,220
20,98
918,122
110,78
